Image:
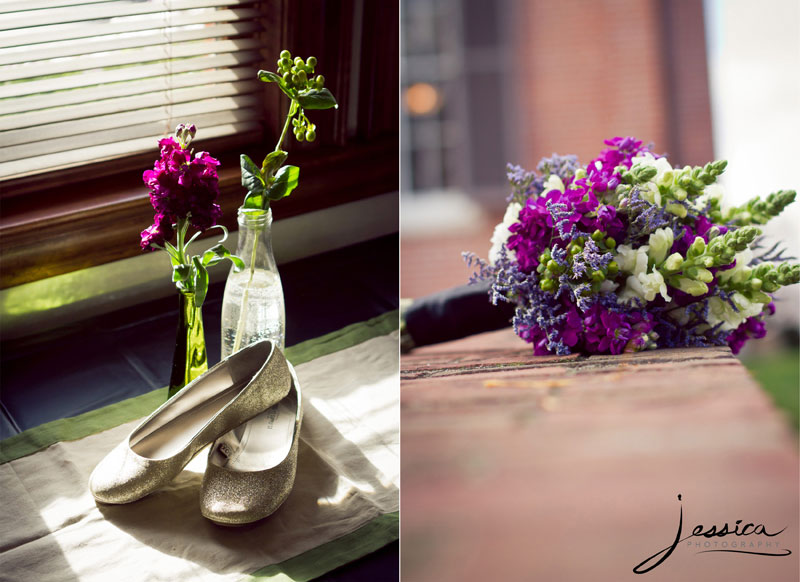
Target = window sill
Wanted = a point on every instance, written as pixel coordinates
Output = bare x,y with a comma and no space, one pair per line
84,225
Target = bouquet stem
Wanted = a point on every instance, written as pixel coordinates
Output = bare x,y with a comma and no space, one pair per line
237,343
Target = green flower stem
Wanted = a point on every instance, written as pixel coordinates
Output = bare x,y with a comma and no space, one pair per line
237,342
182,227
289,116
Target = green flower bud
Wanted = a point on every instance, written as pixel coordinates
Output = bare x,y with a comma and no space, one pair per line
598,276
298,62
741,238
704,275
644,173
692,287
612,268
302,77
311,62
287,77
666,178
755,284
757,211
673,262
574,249
678,210
597,236
320,81
611,243
311,135
552,265
548,285
286,54
759,297
698,246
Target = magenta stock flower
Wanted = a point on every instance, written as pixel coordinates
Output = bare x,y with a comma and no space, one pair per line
181,187
600,170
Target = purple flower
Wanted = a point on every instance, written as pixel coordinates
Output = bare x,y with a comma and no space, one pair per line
607,221
160,232
750,328
600,170
181,187
615,331
531,235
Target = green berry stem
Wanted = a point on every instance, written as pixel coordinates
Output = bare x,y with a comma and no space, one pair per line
289,116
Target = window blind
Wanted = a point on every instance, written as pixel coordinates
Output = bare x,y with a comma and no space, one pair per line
88,81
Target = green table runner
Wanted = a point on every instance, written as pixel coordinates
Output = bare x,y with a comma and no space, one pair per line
344,504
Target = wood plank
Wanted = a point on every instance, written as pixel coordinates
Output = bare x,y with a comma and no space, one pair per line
518,467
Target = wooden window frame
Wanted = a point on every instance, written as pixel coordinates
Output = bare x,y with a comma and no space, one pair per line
63,221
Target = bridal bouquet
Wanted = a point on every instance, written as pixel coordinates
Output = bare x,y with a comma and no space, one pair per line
628,253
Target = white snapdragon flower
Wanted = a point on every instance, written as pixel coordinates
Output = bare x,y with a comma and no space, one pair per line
632,260
660,243
650,192
645,286
665,176
501,232
713,191
741,272
720,311
664,171
553,182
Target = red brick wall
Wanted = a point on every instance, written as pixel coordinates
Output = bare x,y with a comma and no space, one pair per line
593,69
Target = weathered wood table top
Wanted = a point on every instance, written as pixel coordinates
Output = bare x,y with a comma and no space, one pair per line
516,467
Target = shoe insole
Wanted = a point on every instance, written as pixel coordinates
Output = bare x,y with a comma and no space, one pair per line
169,438
264,441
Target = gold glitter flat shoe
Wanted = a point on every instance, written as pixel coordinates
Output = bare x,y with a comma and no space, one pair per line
251,469
232,392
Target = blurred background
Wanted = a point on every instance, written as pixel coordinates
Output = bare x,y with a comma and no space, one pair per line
486,83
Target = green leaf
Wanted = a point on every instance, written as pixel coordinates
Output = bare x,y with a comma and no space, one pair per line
253,201
272,162
174,255
251,175
285,181
181,272
270,77
218,253
224,232
200,281
253,181
317,99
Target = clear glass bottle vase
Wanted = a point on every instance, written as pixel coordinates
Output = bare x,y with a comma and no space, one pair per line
252,307
190,359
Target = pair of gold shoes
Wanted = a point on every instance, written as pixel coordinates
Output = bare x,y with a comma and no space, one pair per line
249,406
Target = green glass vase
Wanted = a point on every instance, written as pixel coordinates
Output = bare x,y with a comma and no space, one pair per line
190,358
